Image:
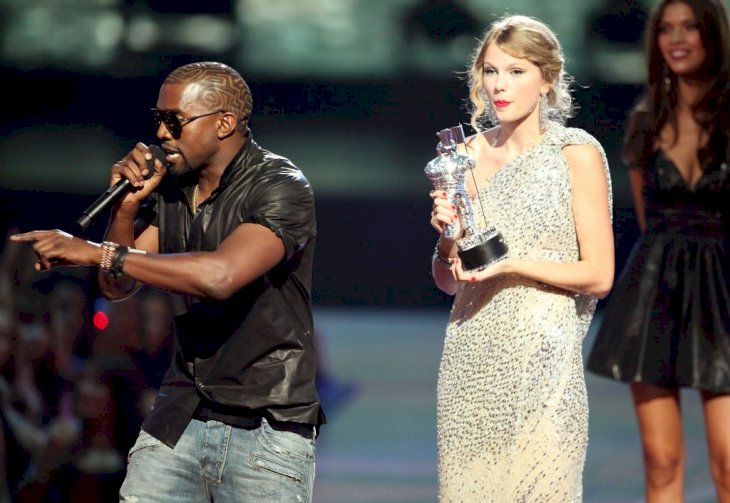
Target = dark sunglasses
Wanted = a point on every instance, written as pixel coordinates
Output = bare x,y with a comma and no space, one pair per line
173,122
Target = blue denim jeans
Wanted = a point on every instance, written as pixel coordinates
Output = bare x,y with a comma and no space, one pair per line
216,462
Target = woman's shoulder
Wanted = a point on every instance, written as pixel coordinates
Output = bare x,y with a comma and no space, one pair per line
579,148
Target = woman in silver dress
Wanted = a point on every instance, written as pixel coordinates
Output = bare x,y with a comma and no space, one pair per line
512,408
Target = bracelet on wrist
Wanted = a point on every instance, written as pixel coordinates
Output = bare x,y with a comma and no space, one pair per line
116,269
446,262
108,249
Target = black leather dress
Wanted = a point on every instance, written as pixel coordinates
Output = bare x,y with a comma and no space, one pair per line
667,321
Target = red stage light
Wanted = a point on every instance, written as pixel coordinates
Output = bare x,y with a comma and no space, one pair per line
101,320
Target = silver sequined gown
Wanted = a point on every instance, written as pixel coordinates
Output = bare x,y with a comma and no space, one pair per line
512,406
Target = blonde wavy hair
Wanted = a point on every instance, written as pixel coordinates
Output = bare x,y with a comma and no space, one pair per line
527,38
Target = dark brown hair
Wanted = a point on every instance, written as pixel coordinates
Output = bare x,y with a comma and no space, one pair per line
658,103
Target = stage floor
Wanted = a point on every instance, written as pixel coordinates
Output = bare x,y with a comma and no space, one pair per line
380,443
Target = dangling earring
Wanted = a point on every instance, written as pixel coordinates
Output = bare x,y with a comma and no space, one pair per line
489,113
544,112
667,80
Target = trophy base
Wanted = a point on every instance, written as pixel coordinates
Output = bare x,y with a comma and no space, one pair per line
477,254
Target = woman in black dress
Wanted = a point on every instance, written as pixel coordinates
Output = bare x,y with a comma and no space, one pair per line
667,323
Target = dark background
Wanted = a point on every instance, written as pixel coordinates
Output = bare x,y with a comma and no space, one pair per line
359,118
353,91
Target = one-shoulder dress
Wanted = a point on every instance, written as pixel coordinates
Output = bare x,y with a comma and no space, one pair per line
512,413
667,320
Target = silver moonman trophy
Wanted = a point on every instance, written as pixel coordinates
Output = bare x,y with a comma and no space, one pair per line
478,248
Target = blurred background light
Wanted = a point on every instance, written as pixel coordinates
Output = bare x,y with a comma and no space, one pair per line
100,320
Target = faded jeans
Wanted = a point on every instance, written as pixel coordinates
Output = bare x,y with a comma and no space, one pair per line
214,462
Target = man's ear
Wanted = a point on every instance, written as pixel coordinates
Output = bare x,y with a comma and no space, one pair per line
227,125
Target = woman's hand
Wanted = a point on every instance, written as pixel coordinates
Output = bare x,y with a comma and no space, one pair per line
444,213
493,270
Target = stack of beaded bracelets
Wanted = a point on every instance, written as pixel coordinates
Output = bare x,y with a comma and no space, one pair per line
112,258
444,261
